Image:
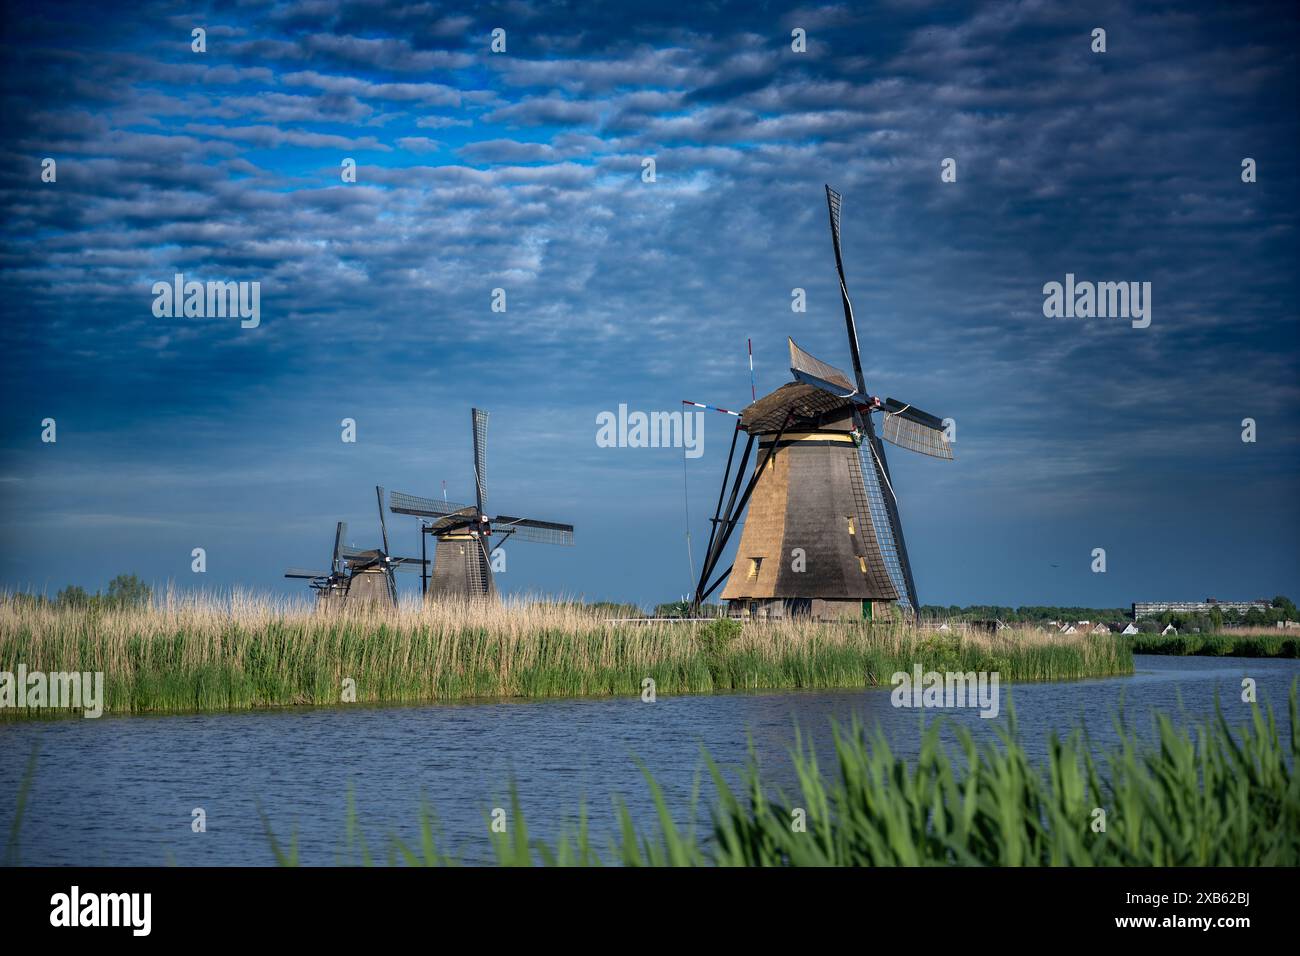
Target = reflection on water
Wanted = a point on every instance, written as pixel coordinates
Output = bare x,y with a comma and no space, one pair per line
119,791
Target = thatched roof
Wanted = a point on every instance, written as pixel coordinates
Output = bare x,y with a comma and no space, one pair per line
806,402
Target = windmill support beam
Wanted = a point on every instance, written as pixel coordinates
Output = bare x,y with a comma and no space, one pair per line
722,491
733,516
712,555
733,513
714,586
722,530
727,516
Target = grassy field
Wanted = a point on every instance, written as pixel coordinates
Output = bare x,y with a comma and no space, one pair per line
1252,642
1211,795
211,654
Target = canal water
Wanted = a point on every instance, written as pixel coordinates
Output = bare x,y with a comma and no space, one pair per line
122,790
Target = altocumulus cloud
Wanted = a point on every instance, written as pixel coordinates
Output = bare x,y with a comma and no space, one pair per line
376,294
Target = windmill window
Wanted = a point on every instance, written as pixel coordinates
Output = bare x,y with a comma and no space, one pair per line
754,565
862,563
852,529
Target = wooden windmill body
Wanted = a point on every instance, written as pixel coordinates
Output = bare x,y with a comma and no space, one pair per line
822,536
808,545
462,568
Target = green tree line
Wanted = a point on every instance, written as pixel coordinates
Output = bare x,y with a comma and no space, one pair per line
125,590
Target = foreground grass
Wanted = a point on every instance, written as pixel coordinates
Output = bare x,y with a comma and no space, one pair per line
1207,796
238,654
1263,643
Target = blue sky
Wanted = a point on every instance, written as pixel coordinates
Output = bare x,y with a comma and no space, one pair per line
522,171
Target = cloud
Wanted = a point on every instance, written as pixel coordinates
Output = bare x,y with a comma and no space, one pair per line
273,137
548,111
386,53
441,122
507,151
425,94
419,144
377,294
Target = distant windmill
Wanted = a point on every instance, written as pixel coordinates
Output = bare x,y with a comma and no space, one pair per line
823,535
331,586
373,575
462,567
358,576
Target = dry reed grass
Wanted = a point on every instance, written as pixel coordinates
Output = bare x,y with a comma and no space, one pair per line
202,651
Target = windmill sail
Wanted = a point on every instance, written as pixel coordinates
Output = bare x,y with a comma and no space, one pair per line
833,202
908,427
383,525
916,437
305,573
340,532
404,504
354,555
529,529
480,418
811,370
884,516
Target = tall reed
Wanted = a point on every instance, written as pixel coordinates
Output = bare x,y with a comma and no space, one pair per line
205,653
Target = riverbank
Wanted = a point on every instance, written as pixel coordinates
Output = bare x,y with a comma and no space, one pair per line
241,654
1258,643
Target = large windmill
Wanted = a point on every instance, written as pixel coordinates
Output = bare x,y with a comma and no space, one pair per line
823,535
358,576
462,566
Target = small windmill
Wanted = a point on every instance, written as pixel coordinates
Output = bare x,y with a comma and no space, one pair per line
331,586
821,491
372,571
462,566
358,576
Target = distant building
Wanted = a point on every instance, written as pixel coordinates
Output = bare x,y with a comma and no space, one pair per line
1143,609
1099,628
1127,628
1069,629
1169,629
